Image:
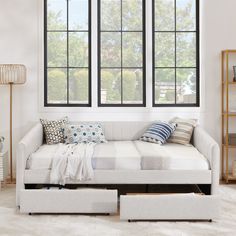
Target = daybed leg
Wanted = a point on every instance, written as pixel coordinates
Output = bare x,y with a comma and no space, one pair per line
210,220
129,221
30,214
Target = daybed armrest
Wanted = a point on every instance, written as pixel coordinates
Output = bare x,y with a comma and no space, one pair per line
210,149
29,144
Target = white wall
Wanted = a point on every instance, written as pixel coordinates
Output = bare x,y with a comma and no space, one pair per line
21,42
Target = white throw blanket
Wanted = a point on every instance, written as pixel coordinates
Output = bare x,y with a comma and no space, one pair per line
72,162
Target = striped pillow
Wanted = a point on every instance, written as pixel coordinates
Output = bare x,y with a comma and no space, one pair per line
158,132
183,132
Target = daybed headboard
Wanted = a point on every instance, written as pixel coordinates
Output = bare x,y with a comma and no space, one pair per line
117,130
122,130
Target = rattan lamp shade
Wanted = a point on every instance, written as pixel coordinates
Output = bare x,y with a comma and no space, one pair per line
12,74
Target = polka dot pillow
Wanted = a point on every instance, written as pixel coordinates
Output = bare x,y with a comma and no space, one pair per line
84,133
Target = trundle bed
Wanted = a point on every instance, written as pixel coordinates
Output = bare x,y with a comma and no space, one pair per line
125,161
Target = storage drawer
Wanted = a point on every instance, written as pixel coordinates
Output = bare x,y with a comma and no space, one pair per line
68,201
169,206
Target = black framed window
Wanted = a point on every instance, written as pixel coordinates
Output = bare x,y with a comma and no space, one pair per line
121,52
67,52
176,53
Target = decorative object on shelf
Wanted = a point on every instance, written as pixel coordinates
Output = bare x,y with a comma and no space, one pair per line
228,114
234,168
3,167
232,110
234,70
1,143
232,139
12,74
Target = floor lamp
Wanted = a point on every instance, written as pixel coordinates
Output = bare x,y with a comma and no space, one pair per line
12,74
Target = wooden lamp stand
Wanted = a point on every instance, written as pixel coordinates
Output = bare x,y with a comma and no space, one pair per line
12,74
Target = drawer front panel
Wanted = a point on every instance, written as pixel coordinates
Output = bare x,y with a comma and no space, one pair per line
169,207
68,201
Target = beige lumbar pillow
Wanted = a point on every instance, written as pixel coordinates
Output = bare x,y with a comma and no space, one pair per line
183,132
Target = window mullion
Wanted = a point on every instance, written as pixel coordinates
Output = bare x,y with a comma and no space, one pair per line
121,48
175,51
68,63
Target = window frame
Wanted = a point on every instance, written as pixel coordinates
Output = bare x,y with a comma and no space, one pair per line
143,68
67,31
197,32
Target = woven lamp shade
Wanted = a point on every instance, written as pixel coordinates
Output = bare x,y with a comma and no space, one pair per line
12,74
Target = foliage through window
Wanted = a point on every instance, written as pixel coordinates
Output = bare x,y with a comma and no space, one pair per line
67,53
175,53
121,52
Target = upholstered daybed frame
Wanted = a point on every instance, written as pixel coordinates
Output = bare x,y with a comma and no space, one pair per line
122,131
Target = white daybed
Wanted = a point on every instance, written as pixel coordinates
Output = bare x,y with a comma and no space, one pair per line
124,160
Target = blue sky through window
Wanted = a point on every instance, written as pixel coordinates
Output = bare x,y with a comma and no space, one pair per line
78,12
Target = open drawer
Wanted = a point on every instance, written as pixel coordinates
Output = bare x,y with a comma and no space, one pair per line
192,205
56,200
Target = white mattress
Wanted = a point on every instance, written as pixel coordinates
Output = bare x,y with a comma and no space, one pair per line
131,156
42,158
115,155
107,156
170,156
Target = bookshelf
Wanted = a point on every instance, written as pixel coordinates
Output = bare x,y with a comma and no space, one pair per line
227,115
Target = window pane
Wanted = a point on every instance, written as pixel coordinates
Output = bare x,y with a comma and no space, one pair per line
78,49
175,52
111,49
67,53
121,51
57,49
132,49
110,86
186,15
165,86
164,49
132,86
78,81
164,15
57,86
78,14
186,85
132,15
110,15
57,15
186,49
